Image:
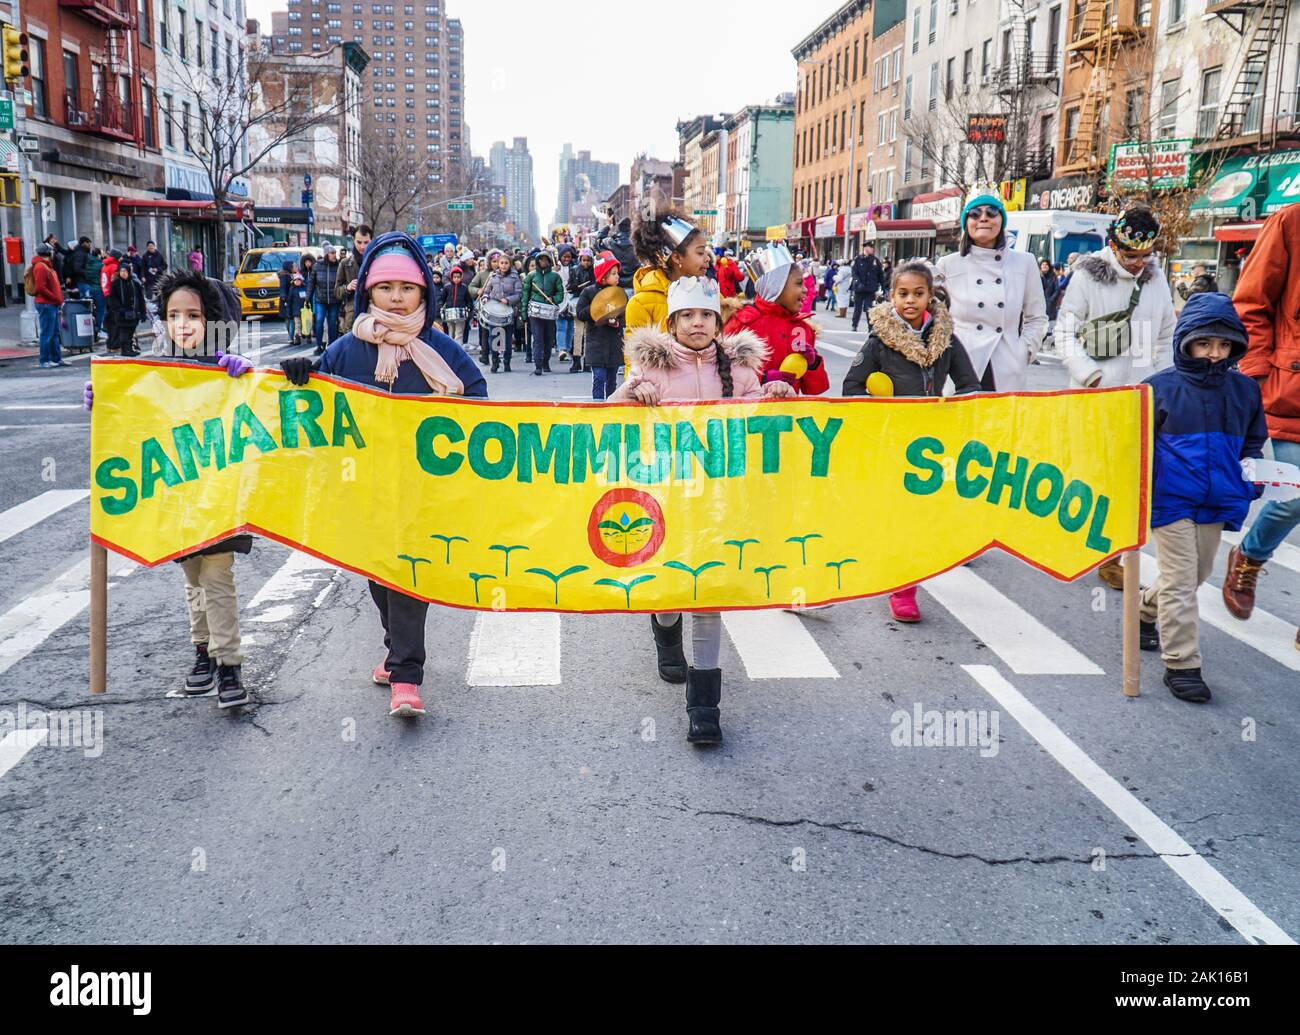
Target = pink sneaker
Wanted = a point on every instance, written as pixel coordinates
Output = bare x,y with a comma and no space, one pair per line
903,605
406,700
380,675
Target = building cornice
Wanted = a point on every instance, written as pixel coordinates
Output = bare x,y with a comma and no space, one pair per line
830,28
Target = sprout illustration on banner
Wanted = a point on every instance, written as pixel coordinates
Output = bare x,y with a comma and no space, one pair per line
447,540
555,579
477,577
767,576
802,540
413,562
740,545
507,550
839,569
694,573
626,587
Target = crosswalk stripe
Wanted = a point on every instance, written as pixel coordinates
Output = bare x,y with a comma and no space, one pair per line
16,744
42,406
298,575
1028,647
35,618
1286,555
37,509
514,648
1221,895
1267,633
836,349
776,645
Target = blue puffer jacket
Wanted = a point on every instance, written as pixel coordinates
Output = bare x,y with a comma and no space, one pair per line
354,360
1208,418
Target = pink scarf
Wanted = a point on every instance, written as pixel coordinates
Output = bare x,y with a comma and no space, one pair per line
398,338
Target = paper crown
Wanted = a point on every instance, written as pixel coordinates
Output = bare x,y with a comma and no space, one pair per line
694,293
1132,238
676,230
764,260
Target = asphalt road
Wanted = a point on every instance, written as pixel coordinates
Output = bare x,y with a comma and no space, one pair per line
569,808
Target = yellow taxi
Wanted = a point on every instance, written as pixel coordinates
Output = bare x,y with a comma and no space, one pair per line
258,279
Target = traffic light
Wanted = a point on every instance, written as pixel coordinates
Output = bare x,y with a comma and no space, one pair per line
16,55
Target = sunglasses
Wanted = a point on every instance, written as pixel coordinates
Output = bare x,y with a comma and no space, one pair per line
983,212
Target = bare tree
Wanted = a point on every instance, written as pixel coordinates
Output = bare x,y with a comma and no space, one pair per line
939,135
392,179
232,116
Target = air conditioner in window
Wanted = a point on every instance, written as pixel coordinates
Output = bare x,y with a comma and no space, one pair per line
892,149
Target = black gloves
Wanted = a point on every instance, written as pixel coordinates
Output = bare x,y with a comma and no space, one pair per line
298,370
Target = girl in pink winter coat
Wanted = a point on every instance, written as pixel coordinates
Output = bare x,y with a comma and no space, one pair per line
693,361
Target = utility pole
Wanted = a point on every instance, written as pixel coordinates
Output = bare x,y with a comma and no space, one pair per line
848,179
26,198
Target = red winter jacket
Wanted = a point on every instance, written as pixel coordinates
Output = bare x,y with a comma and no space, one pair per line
777,326
729,278
48,291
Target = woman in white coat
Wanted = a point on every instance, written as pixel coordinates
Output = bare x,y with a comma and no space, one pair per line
995,297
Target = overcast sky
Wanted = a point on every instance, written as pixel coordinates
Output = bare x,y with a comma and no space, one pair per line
610,78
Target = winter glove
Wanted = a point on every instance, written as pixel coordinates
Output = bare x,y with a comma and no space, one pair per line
775,376
298,370
87,397
235,366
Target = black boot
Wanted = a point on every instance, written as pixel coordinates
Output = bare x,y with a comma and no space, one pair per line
1148,636
1187,685
668,647
703,692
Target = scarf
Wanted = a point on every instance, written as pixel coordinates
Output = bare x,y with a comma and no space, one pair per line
398,338
918,331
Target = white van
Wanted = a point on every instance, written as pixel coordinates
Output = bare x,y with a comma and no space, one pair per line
1054,233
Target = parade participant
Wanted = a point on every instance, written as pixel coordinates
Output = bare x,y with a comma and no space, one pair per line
604,338
1051,289
868,276
455,307
1268,301
669,248
913,343
543,301
828,283
286,277
394,346
730,276
776,315
995,297
584,274
619,242
48,294
1208,418
320,292
842,290
294,299
693,361
125,310
346,285
476,286
194,312
306,315
808,268
500,302
567,255
1118,306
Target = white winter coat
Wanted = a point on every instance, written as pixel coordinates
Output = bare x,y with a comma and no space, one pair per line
999,314
1099,286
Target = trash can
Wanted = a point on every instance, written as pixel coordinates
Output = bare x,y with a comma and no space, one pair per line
77,324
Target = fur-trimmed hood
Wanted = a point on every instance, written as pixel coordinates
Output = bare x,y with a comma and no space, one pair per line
893,335
653,349
1104,267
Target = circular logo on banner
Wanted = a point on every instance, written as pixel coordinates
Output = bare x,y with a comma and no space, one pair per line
626,527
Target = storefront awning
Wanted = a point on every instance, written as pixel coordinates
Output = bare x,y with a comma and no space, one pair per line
1236,193
829,226
899,229
234,213
1238,231
940,207
1283,172
284,217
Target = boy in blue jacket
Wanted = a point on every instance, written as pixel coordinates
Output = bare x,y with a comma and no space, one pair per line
1208,418
394,346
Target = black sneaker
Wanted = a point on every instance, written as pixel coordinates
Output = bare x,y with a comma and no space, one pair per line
203,676
231,692
1148,636
1187,685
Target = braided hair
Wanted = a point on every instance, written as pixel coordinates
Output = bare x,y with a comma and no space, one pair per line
724,370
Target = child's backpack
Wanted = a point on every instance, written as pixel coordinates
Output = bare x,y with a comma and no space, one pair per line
29,280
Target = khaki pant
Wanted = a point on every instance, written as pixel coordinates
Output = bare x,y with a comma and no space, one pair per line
214,611
1186,553
579,336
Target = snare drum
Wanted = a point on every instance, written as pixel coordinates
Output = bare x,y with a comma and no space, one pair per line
496,313
455,315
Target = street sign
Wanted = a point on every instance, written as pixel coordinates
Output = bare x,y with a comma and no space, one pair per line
306,179
6,113
433,243
411,228
29,144
706,212
460,206
306,198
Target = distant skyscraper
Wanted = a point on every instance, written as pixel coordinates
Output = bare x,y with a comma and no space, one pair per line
581,178
512,168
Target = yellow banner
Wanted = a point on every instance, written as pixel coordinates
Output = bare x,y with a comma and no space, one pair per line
595,507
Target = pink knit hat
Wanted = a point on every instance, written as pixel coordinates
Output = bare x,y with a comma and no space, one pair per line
395,264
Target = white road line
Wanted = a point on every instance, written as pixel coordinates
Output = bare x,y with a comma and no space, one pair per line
37,509
776,645
43,406
1221,895
514,649
1267,633
1286,556
836,349
35,618
29,427
1026,645
300,574
16,744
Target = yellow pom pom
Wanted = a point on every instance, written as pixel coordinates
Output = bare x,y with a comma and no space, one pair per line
880,384
795,364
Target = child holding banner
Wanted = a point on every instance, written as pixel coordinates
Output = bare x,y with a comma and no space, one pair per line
693,361
910,351
394,346
194,326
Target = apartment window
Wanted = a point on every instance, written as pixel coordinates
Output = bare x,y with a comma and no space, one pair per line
907,160
1177,12
933,103
880,129
934,20
216,50
967,60
168,122
71,80
1207,118
185,125
893,125
907,98
182,45
986,59
898,64
1071,126
1053,36
862,120
146,103
144,22
163,12
916,29
1045,137
40,98
1133,101
230,59
949,78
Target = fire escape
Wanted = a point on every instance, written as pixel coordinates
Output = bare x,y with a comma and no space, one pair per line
1017,82
107,108
1101,37
1262,25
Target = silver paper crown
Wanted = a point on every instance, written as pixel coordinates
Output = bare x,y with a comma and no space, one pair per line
764,260
676,230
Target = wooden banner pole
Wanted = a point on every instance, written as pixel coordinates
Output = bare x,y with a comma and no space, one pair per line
98,619
1132,599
